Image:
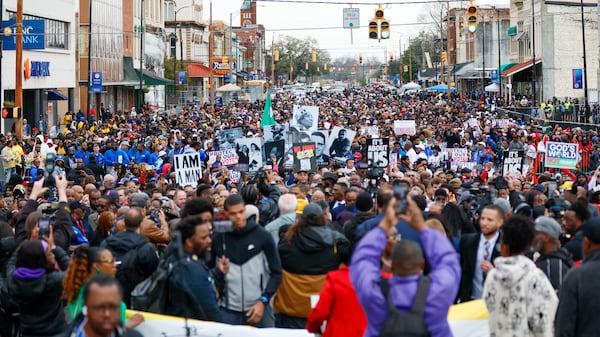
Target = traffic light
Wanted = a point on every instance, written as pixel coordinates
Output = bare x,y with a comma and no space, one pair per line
360,58
444,56
391,57
472,18
306,66
313,56
405,69
385,29
373,29
276,55
11,113
379,14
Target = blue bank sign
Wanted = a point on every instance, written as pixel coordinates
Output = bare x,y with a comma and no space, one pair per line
33,34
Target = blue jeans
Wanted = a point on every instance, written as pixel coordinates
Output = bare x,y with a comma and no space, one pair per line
239,318
8,173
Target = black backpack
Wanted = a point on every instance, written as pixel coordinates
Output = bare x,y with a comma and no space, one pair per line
128,273
154,293
405,324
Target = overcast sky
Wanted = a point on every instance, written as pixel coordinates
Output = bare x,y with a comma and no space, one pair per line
304,19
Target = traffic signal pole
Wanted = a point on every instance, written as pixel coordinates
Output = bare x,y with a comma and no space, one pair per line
19,68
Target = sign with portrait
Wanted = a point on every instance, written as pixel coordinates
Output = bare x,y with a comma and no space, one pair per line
304,157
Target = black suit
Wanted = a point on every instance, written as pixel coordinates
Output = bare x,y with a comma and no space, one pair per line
469,244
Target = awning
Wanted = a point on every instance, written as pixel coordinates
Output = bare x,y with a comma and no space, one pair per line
151,78
198,70
519,67
506,66
129,73
521,36
55,95
512,31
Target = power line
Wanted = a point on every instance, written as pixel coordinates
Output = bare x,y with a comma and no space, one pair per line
321,2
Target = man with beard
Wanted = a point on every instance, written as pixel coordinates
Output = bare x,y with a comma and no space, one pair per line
554,261
193,277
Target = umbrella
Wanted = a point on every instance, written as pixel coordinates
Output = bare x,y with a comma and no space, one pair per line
441,87
494,87
229,87
411,86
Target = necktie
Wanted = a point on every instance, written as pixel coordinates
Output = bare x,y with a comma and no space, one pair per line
486,250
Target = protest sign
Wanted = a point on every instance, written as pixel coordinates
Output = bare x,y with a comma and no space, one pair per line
378,152
513,162
277,149
304,157
562,155
249,151
504,123
305,118
405,128
228,157
339,143
372,131
393,160
234,176
457,154
188,169
227,138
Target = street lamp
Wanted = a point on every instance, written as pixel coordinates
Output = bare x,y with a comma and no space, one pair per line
174,36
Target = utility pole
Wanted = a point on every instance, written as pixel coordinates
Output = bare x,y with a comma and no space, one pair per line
19,68
441,44
585,79
499,55
210,59
273,60
410,60
483,54
448,57
89,68
141,94
533,74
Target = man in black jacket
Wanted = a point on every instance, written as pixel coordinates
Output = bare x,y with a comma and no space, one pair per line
136,256
554,261
579,299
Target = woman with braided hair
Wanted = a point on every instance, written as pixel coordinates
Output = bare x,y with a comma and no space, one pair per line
85,263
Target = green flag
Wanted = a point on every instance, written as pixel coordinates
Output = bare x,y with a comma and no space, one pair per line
267,118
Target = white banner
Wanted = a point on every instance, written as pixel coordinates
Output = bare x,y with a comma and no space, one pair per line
405,128
188,169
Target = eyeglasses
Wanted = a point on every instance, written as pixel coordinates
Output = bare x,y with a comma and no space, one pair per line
109,261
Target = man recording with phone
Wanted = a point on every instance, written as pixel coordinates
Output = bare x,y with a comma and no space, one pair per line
62,220
407,266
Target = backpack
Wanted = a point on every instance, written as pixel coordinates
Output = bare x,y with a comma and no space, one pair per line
127,272
405,324
150,295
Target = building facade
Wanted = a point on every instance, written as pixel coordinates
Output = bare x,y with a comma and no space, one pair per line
49,82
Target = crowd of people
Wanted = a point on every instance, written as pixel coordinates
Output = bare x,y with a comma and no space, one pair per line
94,208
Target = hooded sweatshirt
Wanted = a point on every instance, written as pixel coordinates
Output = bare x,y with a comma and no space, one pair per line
38,298
555,265
520,299
306,260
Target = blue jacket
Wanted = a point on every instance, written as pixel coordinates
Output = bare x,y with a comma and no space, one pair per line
83,155
194,278
116,156
445,278
142,156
